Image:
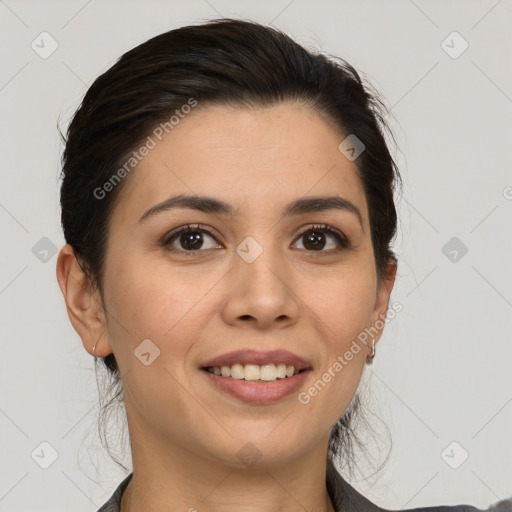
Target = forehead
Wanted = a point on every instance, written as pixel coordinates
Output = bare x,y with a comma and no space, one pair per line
252,158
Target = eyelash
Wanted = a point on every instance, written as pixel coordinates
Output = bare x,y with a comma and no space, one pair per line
324,228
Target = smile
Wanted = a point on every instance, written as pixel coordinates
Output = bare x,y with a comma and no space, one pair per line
254,372
256,391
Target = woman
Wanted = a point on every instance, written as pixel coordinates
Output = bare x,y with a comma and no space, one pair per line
227,203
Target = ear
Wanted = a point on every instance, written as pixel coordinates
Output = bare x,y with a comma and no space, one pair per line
384,288
83,303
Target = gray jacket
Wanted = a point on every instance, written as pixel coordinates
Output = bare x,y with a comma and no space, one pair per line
343,496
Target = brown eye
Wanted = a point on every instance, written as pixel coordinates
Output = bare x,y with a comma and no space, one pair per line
316,238
189,239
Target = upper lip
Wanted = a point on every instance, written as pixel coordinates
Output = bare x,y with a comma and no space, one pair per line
258,357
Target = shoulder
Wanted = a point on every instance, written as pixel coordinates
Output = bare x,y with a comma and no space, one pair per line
346,498
500,506
360,503
114,503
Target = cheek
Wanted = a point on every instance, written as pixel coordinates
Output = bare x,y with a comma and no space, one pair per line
343,304
342,311
150,302
154,303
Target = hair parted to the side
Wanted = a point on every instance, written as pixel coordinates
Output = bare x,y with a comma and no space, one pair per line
226,62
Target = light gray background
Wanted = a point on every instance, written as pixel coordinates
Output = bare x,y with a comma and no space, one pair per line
443,368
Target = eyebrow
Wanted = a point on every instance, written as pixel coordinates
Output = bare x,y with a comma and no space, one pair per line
309,204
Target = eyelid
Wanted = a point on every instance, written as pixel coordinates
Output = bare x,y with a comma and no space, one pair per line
327,228
187,227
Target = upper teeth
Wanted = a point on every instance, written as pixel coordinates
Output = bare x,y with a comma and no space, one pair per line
254,371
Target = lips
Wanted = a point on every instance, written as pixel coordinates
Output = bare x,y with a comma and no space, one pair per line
259,358
257,392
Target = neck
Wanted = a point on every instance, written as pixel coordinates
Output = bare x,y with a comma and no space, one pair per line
175,479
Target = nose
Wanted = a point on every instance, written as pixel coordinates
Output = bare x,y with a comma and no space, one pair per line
262,293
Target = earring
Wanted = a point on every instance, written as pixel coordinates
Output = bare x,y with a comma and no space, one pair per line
370,361
93,349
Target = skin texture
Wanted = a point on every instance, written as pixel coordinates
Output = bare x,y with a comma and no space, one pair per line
185,433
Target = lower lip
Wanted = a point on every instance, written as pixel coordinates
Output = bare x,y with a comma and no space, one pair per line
258,392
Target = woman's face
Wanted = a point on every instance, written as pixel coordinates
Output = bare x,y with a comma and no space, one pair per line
255,280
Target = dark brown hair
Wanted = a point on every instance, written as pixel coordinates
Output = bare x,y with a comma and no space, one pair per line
226,62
